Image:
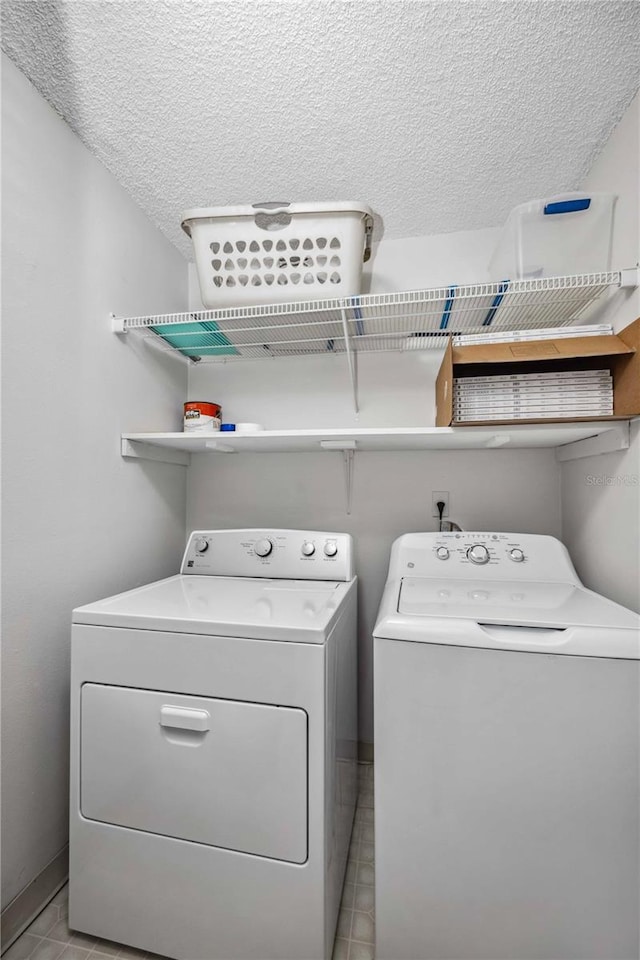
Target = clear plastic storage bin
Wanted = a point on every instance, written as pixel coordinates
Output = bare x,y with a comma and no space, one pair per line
279,252
559,236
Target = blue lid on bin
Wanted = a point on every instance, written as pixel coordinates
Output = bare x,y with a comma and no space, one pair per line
227,427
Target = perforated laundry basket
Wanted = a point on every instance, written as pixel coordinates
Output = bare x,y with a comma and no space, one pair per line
279,252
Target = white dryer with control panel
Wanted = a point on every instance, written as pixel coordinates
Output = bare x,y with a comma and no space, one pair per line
213,751
507,736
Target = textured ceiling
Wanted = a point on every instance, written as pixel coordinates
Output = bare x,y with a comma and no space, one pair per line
440,115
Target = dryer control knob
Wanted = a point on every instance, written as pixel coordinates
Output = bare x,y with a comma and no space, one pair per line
442,553
308,549
202,546
263,548
516,555
478,553
330,548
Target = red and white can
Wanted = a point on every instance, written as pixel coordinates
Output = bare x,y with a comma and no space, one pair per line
200,416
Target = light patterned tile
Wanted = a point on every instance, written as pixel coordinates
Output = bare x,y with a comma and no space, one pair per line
22,948
47,950
366,874
364,898
360,951
62,896
340,949
74,953
364,814
354,847
367,832
362,927
366,852
352,871
83,940
131,953
348,893
60,931
44,921
108,947
344,924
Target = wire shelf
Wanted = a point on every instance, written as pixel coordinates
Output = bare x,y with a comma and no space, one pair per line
415,320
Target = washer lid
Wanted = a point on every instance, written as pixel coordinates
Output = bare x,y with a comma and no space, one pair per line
512,602
508,615
261,609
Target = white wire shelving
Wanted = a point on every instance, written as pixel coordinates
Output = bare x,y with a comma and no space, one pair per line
408,321
414,320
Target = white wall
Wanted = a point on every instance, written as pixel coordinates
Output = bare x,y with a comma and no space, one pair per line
617,170
601,521
79,522
601,495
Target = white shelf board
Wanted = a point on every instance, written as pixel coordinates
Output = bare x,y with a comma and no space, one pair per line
520,436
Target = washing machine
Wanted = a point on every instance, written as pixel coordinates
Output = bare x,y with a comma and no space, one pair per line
213,751
506,755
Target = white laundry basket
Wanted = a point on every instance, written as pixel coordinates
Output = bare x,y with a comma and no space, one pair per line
562,235
279,252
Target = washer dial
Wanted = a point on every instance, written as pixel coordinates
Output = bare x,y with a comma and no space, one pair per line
331,548
517,555
202,546
308,549
263,548
442,553
478,553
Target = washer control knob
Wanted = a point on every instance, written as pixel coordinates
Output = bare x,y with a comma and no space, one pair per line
478,553
516,555
442,553
308,549
330,548
263,548
202,546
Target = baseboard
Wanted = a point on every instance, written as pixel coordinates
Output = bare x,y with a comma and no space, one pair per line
24,908
365,751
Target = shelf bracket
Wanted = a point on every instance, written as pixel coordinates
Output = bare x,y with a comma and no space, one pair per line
117,324
630,277
351,360
610,441
218,446
135,450
348,449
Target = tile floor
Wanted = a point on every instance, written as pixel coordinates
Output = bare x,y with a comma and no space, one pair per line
49,937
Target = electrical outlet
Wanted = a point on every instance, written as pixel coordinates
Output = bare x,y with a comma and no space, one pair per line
436,496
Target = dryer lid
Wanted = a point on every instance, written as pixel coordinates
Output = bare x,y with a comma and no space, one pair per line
293,610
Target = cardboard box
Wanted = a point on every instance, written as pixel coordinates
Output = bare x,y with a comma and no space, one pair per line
619,353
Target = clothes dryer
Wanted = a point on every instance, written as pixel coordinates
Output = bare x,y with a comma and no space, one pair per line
213,751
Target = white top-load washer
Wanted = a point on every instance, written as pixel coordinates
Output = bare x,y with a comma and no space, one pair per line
507,735
213,751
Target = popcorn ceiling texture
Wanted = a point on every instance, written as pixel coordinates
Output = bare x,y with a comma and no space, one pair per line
441,115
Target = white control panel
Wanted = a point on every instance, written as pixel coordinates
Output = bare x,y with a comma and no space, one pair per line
277,554
491,556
